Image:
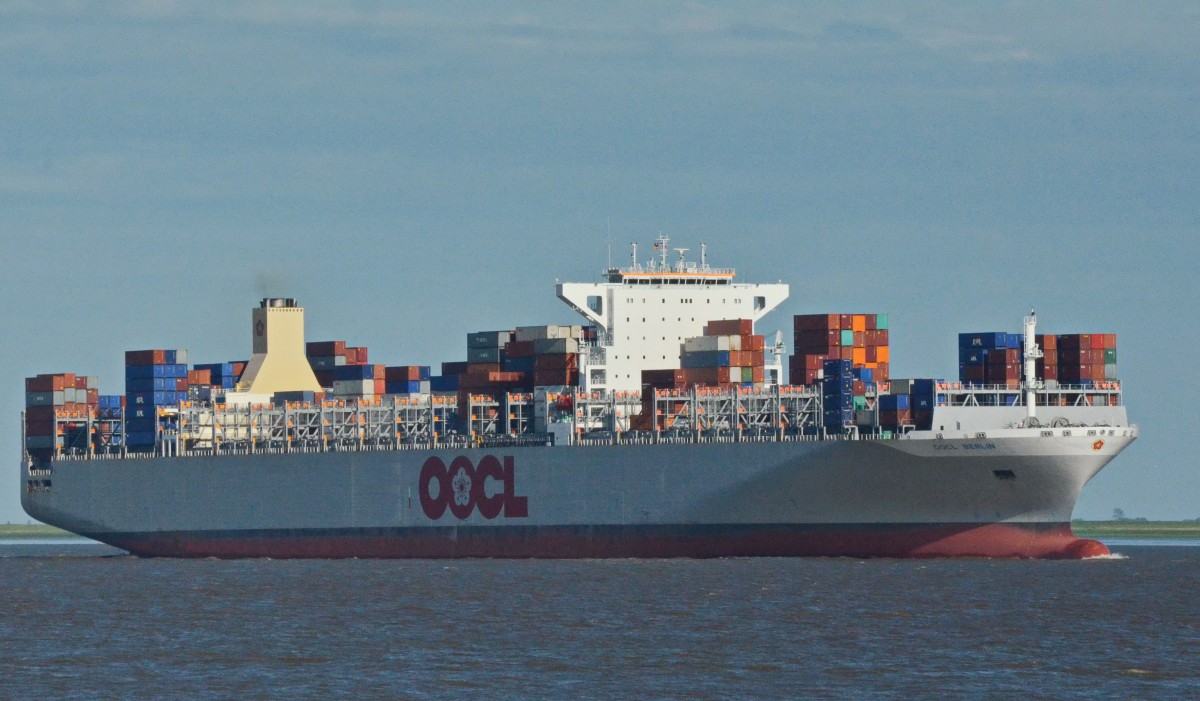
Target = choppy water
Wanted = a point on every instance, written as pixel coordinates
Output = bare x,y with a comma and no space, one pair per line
82,621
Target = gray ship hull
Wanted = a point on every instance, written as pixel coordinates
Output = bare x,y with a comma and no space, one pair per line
1009,494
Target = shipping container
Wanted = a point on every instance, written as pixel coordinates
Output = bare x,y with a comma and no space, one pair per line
729,327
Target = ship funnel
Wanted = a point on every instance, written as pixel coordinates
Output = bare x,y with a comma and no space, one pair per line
278,363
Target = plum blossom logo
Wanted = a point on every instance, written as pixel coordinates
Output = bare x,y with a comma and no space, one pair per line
1097,445
462,487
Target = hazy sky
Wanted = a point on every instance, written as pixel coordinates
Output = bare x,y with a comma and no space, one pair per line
412,173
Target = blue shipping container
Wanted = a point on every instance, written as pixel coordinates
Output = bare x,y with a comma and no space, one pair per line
354,372
705,359
138,372
443,383
989,339
146,398
973,356
140,439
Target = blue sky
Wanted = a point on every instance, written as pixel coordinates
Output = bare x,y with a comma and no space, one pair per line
415,172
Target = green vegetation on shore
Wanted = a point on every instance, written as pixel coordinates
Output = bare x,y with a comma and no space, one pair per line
32,530
1136,529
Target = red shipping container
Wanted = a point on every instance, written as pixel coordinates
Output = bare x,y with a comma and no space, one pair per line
872,354
846,321
845,353
181,384
872,321
42,414
803,322
558,361
519,349
44,383
976,374
729,327
482,367
757,375
1097,341
402,373
380,385
882,372
860,339
93,397
753,343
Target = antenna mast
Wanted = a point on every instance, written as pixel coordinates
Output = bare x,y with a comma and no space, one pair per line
1032,353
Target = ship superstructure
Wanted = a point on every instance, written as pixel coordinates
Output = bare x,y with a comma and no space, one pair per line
644,312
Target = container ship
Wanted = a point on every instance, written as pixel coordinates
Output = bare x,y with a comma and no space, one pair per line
660,426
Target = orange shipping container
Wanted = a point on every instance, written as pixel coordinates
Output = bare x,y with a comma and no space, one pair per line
859,356
858,322
883,354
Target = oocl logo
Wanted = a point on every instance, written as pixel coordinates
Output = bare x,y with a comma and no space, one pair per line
463,487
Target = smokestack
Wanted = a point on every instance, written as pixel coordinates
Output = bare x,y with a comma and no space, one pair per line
278,363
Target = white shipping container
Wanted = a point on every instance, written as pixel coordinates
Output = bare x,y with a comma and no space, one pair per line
701,344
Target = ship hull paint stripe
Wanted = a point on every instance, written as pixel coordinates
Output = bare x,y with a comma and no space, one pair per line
1005,540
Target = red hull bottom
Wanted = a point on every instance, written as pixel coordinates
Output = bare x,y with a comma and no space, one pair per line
996,540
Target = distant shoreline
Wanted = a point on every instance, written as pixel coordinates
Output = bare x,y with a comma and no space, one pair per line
1083,529
1136,529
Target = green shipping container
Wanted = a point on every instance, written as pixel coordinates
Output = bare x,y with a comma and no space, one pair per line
847,338
881,322
1110,356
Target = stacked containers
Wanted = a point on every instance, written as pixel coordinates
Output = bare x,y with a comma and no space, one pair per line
407,379
51,396
154,379
860,338
1047,365
447,382
923,397
1085,358
991,358
359,381
729,354
549,355
220,375
324,356
487,347
894,411
837,393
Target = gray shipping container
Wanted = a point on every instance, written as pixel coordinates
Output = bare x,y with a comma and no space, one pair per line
485,355
488,339
555,346
44,398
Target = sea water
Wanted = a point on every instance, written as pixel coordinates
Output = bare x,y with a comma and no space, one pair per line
86,621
